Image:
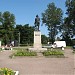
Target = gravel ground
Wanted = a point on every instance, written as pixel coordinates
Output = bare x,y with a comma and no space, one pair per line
40,65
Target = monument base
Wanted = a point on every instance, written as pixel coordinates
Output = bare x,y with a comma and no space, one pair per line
38,49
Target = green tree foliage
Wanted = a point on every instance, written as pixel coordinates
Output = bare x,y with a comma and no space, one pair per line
1,18
26,33
44,39
69,22
7,22
52,17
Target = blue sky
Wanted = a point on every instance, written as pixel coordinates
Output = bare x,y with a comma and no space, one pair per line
26,10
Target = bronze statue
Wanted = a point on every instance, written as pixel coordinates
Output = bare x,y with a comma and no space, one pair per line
37,23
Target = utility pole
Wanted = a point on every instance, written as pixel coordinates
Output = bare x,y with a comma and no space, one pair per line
19,38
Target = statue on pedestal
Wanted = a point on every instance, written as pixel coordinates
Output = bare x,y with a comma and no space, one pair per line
37,23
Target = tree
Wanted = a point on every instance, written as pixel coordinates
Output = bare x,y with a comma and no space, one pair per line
1,18
44,39
52,17
26,33
69,22
7,22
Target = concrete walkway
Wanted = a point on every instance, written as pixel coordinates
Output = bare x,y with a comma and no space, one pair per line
40,65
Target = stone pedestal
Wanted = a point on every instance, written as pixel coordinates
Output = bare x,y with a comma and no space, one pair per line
37,39
37,43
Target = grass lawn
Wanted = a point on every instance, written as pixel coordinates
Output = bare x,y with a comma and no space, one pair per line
68,47
20,48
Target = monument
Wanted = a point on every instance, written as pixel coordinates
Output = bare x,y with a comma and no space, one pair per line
37,37
37,23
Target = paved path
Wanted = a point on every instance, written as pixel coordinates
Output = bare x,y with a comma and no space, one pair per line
39,65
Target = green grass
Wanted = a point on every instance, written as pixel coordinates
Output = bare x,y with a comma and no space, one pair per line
69,47
19,48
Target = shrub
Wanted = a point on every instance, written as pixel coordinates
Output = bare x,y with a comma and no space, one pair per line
24,53
6,71
53,53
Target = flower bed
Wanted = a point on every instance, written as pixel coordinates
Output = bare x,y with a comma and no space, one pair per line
53,53
7,71
23,53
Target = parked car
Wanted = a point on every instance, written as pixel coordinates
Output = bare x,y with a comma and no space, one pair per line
56,44
59,44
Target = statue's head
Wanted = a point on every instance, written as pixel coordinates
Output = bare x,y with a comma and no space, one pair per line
36,15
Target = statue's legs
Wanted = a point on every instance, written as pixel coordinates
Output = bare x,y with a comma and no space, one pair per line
38,27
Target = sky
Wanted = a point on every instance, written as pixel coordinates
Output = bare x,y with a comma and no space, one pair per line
25,11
